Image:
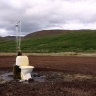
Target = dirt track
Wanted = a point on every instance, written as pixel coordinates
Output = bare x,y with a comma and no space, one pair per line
69,65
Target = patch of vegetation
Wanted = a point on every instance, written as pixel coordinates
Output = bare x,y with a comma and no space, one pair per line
83,41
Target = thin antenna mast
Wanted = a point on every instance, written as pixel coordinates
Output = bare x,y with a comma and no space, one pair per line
18,34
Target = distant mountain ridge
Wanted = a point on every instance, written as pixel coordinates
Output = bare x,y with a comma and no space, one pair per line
38,34
8,38
43,33
46,33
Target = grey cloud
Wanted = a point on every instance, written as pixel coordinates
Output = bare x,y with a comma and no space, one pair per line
45,14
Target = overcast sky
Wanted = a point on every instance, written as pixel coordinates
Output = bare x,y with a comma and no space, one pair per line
46,14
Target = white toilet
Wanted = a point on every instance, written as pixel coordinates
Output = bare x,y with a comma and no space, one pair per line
26,70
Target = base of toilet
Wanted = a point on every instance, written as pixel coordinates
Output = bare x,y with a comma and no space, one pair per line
26,72
26,77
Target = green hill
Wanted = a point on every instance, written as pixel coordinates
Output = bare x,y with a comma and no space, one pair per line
77,41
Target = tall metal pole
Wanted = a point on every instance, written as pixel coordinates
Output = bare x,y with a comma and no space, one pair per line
18,35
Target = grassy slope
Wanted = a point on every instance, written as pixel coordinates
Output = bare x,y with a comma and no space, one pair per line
75,41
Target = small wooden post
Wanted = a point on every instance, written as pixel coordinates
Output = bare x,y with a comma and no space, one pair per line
16,72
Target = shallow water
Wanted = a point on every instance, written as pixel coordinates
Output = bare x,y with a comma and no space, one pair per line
49,76
37,77
8,76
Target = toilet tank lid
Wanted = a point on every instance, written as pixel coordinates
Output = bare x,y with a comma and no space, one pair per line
22,60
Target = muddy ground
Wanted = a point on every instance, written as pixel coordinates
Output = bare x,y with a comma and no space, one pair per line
65,76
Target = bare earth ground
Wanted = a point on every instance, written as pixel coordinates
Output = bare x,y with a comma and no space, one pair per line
83,69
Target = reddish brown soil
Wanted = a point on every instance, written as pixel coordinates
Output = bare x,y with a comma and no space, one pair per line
58,63
83,65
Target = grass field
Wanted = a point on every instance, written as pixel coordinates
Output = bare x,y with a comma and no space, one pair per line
83,41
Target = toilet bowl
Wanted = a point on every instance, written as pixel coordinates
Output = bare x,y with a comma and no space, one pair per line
26,72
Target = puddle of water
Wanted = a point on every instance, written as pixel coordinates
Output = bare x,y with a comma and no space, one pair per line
7,76
48,76
68,77
37,77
